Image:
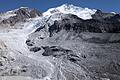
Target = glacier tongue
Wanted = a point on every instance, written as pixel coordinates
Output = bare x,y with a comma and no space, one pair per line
83,13
15,42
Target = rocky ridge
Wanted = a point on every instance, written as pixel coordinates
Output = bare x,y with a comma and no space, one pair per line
19,15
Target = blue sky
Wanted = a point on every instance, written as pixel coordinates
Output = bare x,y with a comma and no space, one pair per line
43,5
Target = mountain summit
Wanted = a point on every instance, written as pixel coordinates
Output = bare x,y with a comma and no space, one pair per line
19,15
83,13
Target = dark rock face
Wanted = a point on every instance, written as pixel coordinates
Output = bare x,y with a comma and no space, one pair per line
35,49
70,23
100,15
21,15
104,25
34,13
55,51
29,43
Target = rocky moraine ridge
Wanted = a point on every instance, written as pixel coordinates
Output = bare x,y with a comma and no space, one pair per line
60,45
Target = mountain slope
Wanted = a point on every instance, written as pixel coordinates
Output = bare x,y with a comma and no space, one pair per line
91,44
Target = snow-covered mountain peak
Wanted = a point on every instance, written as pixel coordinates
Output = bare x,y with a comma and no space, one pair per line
18,15
71,7
22,10
10,13
23,7
15,10
83,13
